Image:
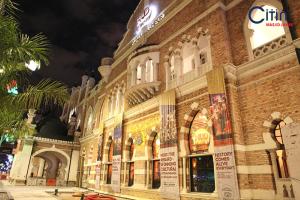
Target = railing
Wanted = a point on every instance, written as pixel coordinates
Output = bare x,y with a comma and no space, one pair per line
269,47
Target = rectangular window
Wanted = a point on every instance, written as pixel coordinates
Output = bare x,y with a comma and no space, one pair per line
131,174
202,174
156,174
109,173
203,58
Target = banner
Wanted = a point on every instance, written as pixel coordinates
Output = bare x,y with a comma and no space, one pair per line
117,154
168,148
223,144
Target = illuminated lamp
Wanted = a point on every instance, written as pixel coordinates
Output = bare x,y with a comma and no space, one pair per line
1,71
33,65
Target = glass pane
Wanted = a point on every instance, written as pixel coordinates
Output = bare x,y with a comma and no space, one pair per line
202,174
156,174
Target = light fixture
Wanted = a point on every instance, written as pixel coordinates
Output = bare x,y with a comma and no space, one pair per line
33,65
1,71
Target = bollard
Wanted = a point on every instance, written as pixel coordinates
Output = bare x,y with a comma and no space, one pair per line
82,197
56,192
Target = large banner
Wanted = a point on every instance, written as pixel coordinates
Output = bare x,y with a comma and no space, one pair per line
223,139
168,148
116,163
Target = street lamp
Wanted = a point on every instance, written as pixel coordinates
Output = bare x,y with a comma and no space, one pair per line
33,65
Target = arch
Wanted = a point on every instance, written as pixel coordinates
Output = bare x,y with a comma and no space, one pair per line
89,121
126,151
54,150
106,148
184,149
248,32
149,143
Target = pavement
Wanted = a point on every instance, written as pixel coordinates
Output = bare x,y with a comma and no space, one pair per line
34,192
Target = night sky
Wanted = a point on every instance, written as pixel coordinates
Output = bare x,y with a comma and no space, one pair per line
81,33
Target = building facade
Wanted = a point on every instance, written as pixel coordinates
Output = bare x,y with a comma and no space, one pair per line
229,76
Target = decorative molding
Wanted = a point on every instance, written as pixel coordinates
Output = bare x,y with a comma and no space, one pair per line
147,105
191,86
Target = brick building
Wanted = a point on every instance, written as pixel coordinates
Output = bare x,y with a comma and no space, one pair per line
174,45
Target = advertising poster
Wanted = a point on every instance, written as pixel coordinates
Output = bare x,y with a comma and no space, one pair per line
116,163
223,144
168,148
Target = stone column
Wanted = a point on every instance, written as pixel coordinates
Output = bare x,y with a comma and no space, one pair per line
125,172
147,174
30,115
184,174
168,74
198,69
155,71
133,76
178,68
41,168
143,73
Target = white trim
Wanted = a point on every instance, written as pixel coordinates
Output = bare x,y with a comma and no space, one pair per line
254,169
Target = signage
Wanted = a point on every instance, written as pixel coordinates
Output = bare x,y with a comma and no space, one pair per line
146,21
223,138
168,148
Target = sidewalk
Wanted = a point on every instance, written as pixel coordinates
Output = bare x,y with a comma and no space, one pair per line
32,192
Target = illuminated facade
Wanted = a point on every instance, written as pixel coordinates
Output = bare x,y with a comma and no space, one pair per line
175,46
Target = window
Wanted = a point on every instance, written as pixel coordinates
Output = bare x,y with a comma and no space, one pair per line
188,57
262,33
280,153
201,165
202,174
110,158
203,58
131,164
139,74
156,162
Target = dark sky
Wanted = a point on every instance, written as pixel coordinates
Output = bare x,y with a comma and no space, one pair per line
80,31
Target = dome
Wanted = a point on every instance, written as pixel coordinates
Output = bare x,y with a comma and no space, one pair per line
53,128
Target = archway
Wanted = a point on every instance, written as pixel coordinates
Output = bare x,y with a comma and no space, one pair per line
52,165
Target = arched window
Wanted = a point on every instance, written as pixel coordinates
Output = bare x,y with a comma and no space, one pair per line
262,33
131,163
156,162
201,161
110,159
139,74
149,71
188,58
280,153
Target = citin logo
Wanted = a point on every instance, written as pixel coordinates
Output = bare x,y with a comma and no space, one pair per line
269,15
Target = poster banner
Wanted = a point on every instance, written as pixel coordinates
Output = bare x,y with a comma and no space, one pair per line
223,139
116,163
168,147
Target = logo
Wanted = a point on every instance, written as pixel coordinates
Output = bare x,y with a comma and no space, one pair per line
269,16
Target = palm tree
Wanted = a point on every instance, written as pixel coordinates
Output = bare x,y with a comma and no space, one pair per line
17,49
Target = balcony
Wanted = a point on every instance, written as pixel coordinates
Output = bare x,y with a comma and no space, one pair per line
270,46
139,93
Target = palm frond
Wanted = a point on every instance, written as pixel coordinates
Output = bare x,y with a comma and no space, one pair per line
8,7
45,93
